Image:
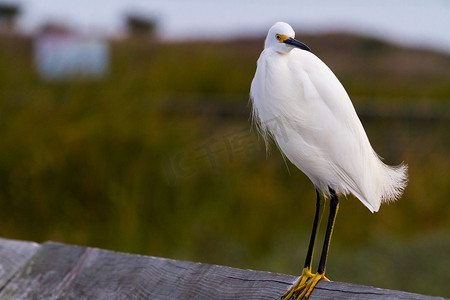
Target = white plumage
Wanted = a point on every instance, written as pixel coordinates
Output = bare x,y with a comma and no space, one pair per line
300,103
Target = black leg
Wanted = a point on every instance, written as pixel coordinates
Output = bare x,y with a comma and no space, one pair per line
306,273
312,241
334,206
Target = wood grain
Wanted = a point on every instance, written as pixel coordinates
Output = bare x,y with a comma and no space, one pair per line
13,255
58,271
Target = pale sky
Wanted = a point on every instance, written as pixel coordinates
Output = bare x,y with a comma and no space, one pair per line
423,23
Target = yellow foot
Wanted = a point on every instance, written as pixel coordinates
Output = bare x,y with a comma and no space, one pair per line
309,286
306,275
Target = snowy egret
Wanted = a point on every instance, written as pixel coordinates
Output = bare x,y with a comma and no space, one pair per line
299,102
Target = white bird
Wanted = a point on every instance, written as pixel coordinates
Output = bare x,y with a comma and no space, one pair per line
299,102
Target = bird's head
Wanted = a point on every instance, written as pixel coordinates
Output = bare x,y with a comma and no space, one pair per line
281,38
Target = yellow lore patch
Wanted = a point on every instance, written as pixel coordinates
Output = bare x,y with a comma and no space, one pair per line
282,37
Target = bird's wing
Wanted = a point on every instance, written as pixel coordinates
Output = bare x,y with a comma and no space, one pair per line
319,81
339,133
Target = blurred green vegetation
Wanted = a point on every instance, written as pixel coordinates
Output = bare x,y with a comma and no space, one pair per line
150,160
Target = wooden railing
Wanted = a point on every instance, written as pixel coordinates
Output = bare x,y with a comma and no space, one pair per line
58,271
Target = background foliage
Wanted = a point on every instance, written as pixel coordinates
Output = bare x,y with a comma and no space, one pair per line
158,158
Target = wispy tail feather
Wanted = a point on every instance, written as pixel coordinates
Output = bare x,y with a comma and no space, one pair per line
396,181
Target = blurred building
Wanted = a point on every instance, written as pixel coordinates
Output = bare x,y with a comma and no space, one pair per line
140,26
61,54
8,17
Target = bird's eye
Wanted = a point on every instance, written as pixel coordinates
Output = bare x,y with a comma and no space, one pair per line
278,37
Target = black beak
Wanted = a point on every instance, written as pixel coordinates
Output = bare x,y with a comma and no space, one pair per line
295,43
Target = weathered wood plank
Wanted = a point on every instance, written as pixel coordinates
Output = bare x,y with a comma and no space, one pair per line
60,271
13,255
45,273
